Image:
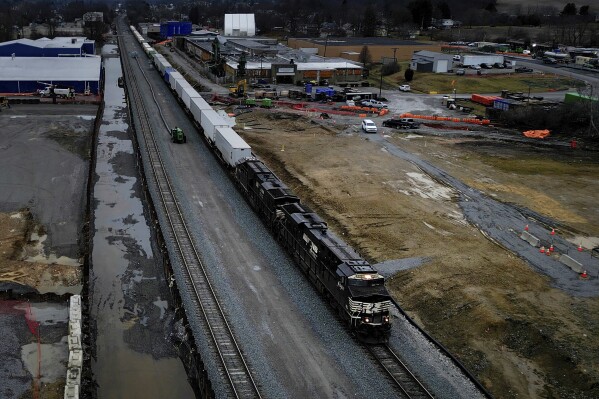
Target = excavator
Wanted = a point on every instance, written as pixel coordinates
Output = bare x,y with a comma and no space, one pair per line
239,90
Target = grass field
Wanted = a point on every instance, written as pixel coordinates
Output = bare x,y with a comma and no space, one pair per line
445,83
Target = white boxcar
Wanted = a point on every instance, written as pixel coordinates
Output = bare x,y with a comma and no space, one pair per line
210,121
187,94
164,65
232,147
156,59
198,104
171,79
181,83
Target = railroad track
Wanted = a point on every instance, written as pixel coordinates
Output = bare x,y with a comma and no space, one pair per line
233,366
407,383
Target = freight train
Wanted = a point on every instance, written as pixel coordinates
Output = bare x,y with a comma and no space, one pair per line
348,281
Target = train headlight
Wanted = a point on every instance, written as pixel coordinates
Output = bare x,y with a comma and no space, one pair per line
366,319
385,319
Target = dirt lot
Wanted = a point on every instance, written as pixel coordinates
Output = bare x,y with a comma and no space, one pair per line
22,258
521,337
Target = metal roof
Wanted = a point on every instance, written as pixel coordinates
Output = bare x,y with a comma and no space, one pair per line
50,68
57,42
301,66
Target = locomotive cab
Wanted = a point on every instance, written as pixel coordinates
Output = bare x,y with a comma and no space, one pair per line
369,305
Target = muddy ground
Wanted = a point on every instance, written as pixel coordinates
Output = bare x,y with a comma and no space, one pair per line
520,336
23,263
45,164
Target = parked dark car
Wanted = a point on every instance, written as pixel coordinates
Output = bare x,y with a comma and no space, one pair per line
401,124
549,60
523,69
498,65
485,66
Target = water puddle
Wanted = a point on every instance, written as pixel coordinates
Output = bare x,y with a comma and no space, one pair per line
129,295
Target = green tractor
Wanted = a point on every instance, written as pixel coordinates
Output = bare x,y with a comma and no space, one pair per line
177,136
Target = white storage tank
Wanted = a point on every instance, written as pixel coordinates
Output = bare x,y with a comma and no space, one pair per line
231,146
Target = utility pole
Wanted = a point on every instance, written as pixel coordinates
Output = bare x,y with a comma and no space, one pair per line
326,41
381,84
394,50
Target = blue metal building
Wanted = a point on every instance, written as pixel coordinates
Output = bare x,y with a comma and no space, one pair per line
174,28
44,47
28,74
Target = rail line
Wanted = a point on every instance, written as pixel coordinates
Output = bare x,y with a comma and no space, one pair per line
407,383
233,365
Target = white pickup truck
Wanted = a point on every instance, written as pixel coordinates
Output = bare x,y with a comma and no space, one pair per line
374,104
64,93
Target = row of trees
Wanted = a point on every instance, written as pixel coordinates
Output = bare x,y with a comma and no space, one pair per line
572,24
16,14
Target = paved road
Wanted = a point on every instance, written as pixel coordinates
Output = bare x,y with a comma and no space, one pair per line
592,78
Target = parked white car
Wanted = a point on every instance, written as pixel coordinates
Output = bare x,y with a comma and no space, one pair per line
369,126
457,57
350,103
405,88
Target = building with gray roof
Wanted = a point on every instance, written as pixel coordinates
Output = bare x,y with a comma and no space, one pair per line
44,47
28,74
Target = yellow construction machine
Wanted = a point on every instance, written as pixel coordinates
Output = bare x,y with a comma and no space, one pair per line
239,90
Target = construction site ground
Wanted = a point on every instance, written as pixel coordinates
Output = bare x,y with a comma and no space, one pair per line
45,152
505,321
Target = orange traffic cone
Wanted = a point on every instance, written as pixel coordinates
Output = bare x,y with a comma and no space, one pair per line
542,250
551,248
548,252
552,232
584,274
580,248
526,228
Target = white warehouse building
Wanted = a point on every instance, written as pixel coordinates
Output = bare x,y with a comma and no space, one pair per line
430,61
240,25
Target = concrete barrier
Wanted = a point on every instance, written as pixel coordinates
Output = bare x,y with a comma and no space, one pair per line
71,392
571,263
74,367
532,240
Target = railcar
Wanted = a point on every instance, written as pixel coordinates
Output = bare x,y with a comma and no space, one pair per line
350,282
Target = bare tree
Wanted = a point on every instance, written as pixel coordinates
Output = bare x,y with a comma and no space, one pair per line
365,57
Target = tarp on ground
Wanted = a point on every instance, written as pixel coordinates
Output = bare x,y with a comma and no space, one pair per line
536,134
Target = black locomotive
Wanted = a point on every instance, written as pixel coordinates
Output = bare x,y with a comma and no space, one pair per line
351,284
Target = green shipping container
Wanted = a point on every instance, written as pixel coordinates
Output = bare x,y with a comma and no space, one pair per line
576,98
